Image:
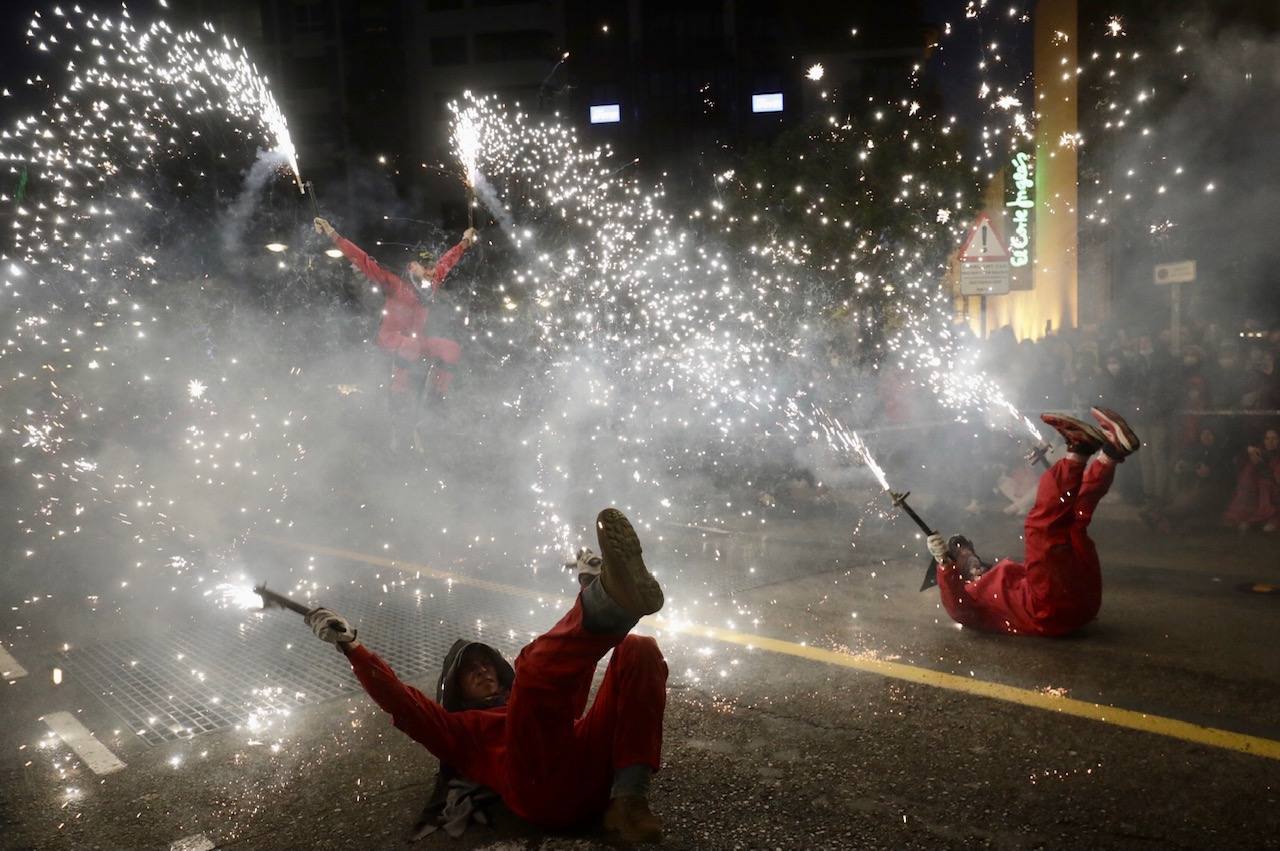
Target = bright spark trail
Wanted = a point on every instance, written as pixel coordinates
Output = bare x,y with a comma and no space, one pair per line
665,343
655,350
633,301
82,262
840,436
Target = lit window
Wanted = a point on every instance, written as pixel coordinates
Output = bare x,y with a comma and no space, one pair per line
767,102
606,113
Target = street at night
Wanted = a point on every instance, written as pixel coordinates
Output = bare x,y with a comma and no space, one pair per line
562,425
821,730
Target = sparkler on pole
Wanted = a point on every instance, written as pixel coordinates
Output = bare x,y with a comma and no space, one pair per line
900,500
605,238
315,204
842,437
931,572
1037,455
274,600
1040,447
466,137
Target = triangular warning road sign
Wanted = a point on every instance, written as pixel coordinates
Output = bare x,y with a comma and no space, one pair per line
984,243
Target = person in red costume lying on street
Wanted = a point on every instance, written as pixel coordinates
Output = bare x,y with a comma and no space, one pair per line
404,333
521,733
1059,587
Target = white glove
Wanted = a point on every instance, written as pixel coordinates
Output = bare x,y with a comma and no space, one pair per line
330,626
323,227
470,234
587,564
937,547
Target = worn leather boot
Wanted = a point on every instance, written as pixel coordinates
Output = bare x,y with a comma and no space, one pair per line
626,580
630,819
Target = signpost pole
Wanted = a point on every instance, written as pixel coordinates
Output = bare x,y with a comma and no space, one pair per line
982,309
1175,327
1175,275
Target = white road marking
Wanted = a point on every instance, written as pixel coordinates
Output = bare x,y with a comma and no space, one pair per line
9,667
196,842
79,739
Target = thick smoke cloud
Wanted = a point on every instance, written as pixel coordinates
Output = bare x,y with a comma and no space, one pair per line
235,221
1201,172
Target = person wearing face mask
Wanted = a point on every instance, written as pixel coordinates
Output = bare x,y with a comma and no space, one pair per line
1229,377
1263,391
1202,483
1086,379
1116,380
1156,396
1058,588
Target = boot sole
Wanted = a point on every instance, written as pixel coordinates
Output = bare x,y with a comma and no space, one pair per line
1126,437
1086,430
625,577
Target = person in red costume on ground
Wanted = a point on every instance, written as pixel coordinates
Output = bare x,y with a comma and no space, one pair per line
521,733
1059,588
403,332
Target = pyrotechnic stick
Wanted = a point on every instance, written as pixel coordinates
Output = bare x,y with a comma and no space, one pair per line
471,199
841,436
1037,454
900,500
315,205
272,600
931,572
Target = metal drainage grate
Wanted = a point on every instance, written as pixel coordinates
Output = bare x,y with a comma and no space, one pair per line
238,668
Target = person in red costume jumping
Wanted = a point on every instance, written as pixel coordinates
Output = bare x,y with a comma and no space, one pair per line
403,332
521,733
1059,587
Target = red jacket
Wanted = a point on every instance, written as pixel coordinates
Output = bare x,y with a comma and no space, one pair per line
1059,589
469,741
552,764
1009,598
404,316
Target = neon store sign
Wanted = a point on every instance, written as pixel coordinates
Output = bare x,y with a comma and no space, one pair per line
1022,203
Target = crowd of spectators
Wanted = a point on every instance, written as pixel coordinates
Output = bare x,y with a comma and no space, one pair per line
1208,413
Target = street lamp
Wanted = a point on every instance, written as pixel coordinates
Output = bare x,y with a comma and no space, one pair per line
276,247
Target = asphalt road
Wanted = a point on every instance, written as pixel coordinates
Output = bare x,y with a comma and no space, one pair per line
767,746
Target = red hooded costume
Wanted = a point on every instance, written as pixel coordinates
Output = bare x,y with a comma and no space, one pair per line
402,333
552,764
1059,588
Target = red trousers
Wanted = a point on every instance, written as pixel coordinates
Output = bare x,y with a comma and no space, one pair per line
438,351
1059,588
560,762
552,764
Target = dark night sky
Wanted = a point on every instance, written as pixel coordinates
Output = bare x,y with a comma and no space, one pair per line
953,66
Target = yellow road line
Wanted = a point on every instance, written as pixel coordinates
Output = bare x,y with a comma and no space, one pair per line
1158,724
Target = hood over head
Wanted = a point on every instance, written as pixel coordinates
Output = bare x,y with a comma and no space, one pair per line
448,692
